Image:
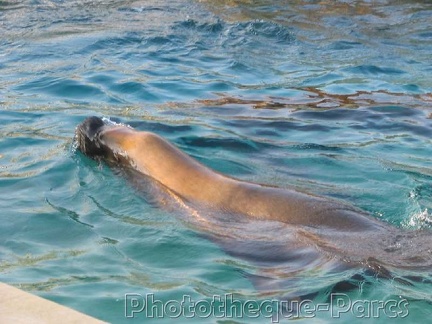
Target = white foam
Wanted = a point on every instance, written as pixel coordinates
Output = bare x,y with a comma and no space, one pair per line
108,121
420,219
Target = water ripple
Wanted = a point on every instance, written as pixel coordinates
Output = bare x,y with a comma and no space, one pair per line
329,97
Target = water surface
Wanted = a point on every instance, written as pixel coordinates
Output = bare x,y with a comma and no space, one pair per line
329,97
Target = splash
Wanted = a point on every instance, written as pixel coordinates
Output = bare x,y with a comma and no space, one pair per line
110,122
420,220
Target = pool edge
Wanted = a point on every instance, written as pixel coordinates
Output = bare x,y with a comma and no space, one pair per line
17,306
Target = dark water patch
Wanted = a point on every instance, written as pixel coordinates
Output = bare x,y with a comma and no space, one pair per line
397,111
6,4
219,86
333,114
425,12
237,66
280,126
137,89
11,5
172,89
106,78
113,43
412,88
322,79
394,127
373,70
375,115
344,45
318,147
224,111
159,128
241,124
161,41
340,22
13,117
285,126
427,35
64,88
79,19
263,29
259,29
267,133
128,87
234,45
196,26
231,144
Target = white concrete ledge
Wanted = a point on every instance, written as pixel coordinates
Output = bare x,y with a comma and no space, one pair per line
20,307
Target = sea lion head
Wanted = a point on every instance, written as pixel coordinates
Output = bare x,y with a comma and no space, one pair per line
87,136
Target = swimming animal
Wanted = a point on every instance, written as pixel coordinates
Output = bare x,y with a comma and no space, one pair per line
262,223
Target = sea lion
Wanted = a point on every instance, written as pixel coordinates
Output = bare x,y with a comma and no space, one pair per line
329,225
154,156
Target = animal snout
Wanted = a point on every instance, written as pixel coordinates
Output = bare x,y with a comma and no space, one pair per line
87,136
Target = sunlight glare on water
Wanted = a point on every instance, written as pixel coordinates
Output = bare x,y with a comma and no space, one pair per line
329,97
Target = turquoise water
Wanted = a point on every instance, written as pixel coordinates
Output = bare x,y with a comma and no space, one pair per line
330,97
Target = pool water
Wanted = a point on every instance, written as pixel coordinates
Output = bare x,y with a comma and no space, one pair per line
329,97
